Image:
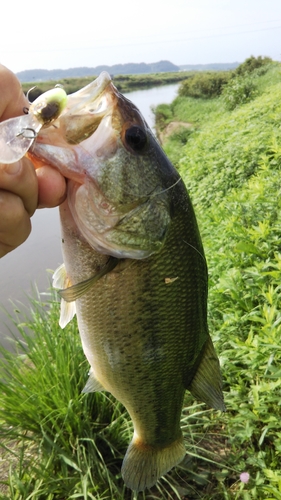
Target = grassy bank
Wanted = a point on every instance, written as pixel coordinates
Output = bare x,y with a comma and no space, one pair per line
124,83
231,164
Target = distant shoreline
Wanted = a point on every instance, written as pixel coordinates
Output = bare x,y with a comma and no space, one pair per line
124,83
38,75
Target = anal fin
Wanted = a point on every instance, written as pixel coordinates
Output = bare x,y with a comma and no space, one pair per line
206,385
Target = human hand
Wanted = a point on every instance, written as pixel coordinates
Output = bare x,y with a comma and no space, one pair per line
22,188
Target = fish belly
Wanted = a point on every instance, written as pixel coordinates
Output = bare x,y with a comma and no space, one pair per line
136,356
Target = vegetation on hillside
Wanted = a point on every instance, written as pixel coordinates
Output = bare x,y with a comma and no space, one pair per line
231,165
70,445
251,64
205,85
214,83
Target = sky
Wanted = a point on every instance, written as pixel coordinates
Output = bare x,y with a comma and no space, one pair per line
60,34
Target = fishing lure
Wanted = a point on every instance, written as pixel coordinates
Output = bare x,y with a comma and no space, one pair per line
18,134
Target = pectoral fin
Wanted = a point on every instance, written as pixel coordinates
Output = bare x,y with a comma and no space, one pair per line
74,292
206,384
67,310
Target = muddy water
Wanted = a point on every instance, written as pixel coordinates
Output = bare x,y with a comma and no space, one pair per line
26,267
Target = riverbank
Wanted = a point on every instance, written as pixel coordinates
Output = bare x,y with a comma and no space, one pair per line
170,129
230,161
124,83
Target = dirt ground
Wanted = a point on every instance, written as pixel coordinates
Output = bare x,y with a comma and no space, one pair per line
170,129
7,458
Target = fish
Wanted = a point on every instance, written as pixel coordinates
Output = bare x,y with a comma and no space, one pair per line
134,273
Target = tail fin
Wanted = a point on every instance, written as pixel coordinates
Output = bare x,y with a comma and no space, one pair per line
206,385
143,465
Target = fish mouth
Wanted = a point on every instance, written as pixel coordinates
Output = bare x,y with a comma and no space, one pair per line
86,109
71,141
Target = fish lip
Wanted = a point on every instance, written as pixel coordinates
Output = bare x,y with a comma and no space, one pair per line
79,100
94,102
86,108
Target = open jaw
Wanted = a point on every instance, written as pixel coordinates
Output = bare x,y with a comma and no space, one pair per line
82,116
93,124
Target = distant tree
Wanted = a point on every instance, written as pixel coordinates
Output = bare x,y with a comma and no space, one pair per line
252,63
204,84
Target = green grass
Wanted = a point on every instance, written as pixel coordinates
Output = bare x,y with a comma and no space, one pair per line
42,406
231,165
67,445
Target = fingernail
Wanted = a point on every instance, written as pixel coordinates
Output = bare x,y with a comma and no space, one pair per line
13,168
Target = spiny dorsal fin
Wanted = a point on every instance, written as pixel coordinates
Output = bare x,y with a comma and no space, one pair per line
74,292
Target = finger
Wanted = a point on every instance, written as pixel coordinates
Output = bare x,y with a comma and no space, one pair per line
12,99
15,223
51,187
20,178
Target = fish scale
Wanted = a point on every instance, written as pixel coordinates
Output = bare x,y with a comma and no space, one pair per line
137,300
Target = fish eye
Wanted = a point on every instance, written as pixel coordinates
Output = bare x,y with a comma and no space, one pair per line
136,138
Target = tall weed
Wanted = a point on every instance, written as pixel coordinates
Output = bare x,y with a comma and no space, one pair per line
68,445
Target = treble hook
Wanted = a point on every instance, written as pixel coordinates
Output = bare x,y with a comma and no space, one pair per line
18,134
28,92
26,136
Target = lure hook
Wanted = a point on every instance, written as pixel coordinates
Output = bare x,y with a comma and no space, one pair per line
26,136
28,92
18,134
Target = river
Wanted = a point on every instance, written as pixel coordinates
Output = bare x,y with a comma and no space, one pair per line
27,267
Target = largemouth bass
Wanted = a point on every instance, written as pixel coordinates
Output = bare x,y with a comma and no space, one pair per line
134,272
